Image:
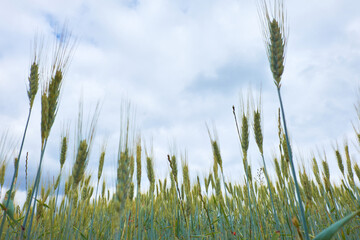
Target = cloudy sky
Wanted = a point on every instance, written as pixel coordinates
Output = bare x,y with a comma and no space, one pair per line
183,64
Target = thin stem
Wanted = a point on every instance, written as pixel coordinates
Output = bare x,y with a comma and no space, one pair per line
33,212
92,218
246,173
13,179
33,190
68,220
293,169
54,212
178,191
271,197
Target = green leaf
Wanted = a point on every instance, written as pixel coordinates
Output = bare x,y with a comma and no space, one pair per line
10,210
329,232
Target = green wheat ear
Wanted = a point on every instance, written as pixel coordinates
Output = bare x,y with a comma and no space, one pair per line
138,163
44,117
357,170
33,82
2,174
63,151
80,163
34,71
101,163
276,51
275,34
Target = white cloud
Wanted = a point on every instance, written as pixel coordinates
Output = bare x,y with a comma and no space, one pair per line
183,63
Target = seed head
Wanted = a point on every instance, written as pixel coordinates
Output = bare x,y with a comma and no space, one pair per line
357,170
339,161
244,134
101,164
150,172
53,96
44,117
186,178
34,70
326,169
258,130
33,82
173,165
63,151
217,155
316,172
57,181
103,189
275,34
348,163
2,174
80,163
138,163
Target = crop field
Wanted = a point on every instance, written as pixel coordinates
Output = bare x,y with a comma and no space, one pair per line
291,203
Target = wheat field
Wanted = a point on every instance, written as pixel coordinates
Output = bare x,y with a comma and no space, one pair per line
290,203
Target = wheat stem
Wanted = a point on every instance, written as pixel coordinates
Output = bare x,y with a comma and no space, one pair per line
301,207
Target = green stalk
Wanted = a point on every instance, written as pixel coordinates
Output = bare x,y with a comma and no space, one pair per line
33,212
271,197
54,212
32,90
68,220
250,205
301,207
246,173
14,176
256,209
93,215
80,220
227,203
152,216
37,180
137,217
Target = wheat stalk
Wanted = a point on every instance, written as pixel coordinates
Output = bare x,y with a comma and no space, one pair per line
275,35
32,90
258,132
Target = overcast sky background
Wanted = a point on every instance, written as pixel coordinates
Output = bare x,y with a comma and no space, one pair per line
182,64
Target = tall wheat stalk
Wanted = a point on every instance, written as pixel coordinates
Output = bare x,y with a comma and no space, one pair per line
243,134
275,33
101,165
63,153
32,91
49,105
258,132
